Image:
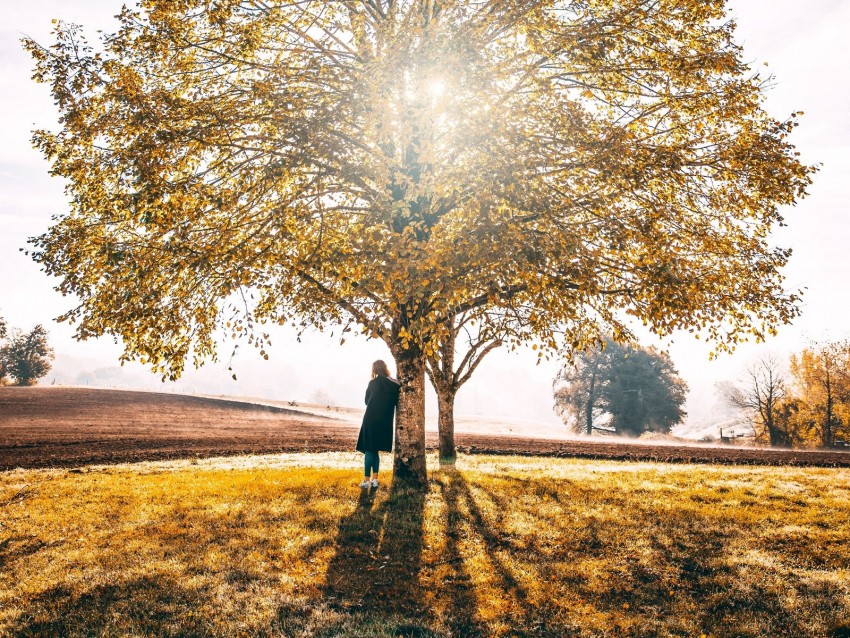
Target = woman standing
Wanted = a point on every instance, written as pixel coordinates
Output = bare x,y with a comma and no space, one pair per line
376,433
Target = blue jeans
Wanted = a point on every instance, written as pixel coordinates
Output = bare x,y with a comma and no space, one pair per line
371,462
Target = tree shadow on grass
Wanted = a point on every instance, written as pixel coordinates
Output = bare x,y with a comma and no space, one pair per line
17,547
378,558
462,607
152,605
374,583
227,561
527,615
690,565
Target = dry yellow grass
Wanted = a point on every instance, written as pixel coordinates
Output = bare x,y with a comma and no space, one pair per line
290,546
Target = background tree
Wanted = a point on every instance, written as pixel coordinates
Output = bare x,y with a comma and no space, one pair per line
638,389
27,356
3,368
391,164
578,388
644,392
821,374
763,394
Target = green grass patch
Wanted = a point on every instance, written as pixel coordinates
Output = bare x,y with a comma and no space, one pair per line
289,546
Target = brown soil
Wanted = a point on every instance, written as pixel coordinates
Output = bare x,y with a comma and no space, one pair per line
68,427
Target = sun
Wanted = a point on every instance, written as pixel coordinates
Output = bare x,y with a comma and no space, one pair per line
436,88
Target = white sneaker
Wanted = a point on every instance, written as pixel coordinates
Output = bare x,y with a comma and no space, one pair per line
366,484
374,482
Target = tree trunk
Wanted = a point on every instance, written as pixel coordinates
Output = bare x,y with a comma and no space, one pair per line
409,463
776,436
446,403
828,429
591,399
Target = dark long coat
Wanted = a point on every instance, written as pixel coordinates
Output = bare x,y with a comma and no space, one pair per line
376,433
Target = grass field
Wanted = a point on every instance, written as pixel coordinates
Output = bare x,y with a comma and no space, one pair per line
288,545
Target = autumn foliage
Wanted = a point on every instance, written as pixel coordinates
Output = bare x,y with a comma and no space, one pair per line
388,165
804,404
818,412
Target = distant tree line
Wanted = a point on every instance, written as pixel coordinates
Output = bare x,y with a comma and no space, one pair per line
805,403
25,357
620,389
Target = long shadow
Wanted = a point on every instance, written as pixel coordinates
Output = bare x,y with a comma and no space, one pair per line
688,547
462,608
377,564
360,577
379,556
493,541
495,546
138,606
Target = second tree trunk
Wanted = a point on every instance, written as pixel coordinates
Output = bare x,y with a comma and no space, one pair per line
446,403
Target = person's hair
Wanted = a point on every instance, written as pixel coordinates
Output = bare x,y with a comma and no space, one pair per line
379,369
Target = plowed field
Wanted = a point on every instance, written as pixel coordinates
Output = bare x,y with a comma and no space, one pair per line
68,427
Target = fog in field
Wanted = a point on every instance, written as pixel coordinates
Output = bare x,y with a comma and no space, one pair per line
319,370
507,385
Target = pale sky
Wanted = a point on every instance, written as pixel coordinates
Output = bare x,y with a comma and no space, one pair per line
806,46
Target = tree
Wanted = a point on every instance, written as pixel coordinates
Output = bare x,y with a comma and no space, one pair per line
480,337
822,375
27,356
764,394
4,372
578,388
392,164
638,389
644,392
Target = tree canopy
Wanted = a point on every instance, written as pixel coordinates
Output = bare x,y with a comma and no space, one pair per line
644,392
390,164
624,389
820,410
